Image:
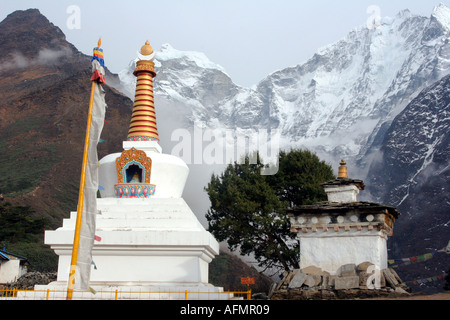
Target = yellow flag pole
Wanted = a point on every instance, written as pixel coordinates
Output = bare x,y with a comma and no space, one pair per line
76,240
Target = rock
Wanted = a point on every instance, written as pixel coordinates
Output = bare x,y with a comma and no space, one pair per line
396,276
312,270
317,279
30,279
325,282
331,280
313,294
309,281
401,291
286,279
364,265
364,278
349,282
390,278
348,270
328,295
259,296
290,275
272,289
297,280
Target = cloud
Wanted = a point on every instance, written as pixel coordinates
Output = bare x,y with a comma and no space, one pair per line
45,56
18,61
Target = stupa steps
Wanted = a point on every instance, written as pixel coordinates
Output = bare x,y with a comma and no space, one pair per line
110,207
140,204
153,213
139,223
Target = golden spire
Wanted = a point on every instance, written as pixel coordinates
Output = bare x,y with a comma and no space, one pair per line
143,119
342,170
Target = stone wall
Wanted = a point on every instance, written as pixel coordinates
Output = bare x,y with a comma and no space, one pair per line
351,282
30,279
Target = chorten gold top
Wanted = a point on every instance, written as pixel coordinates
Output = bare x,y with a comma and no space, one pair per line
342,170
146,49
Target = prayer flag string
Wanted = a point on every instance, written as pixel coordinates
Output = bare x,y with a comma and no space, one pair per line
426,280
414,259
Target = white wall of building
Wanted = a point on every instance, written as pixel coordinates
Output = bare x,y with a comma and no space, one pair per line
10,271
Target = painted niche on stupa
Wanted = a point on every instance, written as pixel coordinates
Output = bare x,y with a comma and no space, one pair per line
133,174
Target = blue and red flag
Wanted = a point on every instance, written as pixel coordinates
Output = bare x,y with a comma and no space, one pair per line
98,65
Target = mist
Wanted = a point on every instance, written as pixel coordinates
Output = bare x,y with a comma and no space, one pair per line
45,56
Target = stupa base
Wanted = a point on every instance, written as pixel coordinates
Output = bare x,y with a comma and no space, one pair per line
129,291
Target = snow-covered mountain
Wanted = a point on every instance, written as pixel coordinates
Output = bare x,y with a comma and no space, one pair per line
412,172
378,98
339,103
415,151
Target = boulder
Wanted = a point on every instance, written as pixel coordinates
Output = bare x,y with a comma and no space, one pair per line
401,291
310,281
364,278
297,280
312,270
347,270
390,278
348,282
364,265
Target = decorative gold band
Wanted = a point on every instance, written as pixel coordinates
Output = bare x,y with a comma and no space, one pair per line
145,66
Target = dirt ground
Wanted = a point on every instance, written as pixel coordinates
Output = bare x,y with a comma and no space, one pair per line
437,296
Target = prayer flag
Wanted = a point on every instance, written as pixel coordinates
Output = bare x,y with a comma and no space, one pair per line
428,256
98,65
87,229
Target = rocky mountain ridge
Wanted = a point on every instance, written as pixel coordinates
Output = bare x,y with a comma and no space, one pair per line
44,91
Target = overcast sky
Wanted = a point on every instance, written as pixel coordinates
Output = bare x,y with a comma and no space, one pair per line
249,38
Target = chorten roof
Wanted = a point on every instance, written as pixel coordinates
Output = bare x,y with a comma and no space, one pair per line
331,208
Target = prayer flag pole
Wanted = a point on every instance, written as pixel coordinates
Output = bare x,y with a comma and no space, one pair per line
76,240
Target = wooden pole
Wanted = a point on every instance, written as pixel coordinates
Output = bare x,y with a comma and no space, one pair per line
76,240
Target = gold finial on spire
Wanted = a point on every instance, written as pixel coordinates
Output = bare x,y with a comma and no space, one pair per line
342,170
99,42
146,49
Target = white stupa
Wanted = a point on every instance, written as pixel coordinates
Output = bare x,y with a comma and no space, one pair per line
148,239
343,230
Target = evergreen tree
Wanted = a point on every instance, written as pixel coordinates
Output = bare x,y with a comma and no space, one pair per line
21,232
248,209
19,224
